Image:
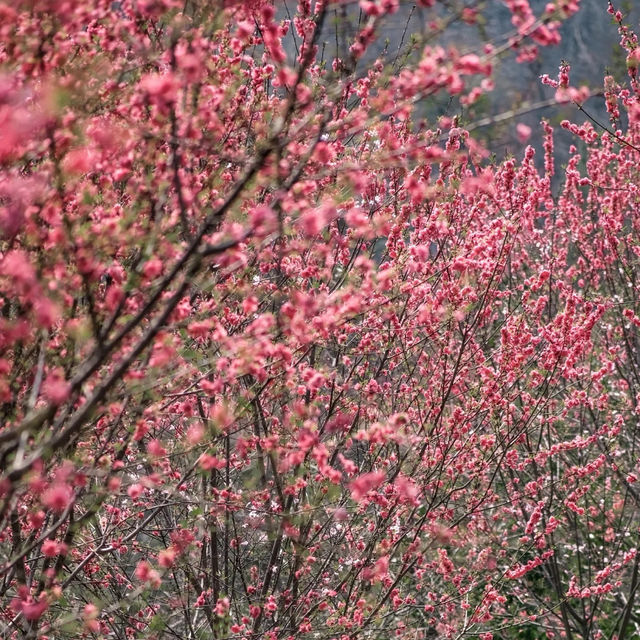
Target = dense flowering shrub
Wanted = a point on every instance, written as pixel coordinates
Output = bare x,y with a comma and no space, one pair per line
279,361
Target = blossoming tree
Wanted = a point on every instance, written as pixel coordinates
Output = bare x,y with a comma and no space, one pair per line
278,360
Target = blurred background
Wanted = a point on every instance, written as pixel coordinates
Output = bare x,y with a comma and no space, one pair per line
590,45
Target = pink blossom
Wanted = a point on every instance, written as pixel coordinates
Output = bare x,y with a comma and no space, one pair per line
152,268
167,557
90,614
263,219
16,265
208,462
312,222
222,607
523,132
145,573
36,519
135,491
407,489
79,161
52,548
323,153
195,433
58,497
255,611
348,465
365,483
161,88
472,64
155,448
245,28
46,312
381,567
31,609
633,59
55,388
